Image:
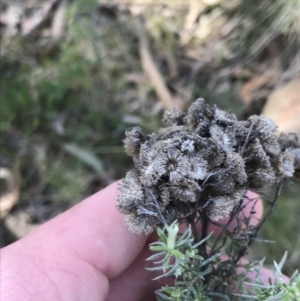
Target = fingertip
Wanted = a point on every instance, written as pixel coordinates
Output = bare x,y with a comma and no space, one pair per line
95,231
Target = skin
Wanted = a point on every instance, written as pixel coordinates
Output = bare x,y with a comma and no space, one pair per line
85,253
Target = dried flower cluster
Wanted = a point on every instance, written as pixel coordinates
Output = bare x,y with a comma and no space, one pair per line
204,160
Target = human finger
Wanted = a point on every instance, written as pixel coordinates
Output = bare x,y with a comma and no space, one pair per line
96,230
89,242
136,282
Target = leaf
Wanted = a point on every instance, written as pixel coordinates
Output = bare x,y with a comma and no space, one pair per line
205,272
177,254
257,285
160,243
162,296
167,289
210,259
224,297
158,248
188,294
85,156
203,240
278,296
154,269
162,235
164,259
155,256
283,260
185,235
266,241
298,285
246,296
169,273
294,276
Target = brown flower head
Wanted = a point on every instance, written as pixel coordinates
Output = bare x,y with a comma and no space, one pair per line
204,158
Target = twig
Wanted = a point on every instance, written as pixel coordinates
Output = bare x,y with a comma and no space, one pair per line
234,213
261,224
204,231
151,69
247,139
160,215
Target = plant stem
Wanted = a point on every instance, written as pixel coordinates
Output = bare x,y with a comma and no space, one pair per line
252,236
204,231
236,211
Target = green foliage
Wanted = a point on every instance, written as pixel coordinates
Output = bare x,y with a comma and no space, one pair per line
262,23
277,289
80,85
177,257
287,216
72,95
79,80
67,184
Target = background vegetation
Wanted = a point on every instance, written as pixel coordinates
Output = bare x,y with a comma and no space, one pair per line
66,100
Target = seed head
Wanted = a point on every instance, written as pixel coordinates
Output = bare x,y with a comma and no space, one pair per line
204,158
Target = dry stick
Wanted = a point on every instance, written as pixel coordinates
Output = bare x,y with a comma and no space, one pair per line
247,139
195,232
251,238
204,233
233,215
59,21
151,69
11,192
58,25
261,224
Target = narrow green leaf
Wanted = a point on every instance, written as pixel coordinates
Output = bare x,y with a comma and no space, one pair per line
203,240
160,243
155,256
154,269
158,248
169,273
177,254
162,235
165,259
167,289
85,156
210,259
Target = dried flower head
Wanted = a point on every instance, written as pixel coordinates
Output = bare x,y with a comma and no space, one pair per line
203,161
220,206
